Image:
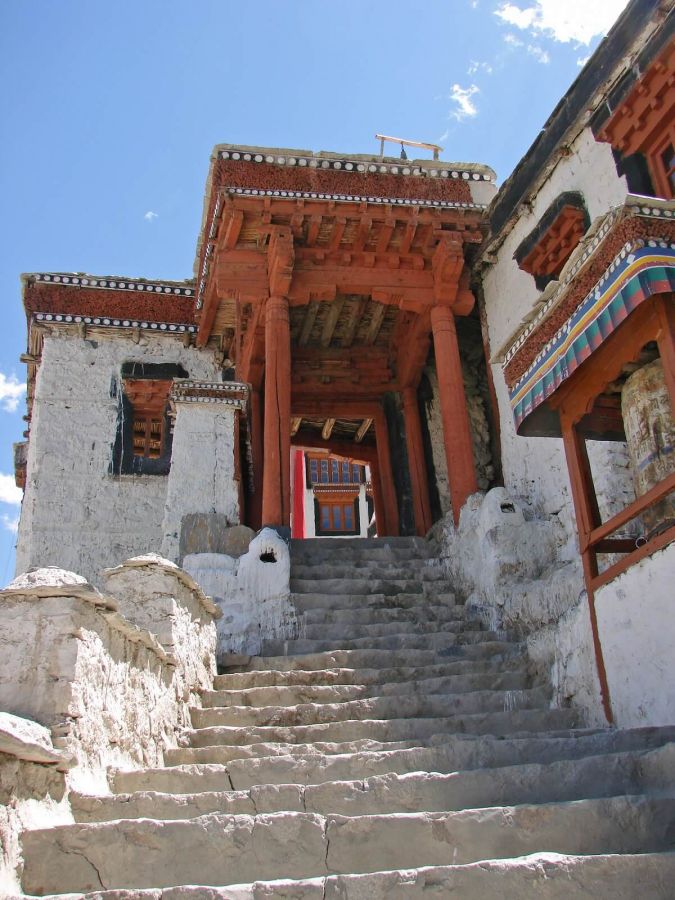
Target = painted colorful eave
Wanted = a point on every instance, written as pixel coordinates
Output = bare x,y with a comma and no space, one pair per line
644,266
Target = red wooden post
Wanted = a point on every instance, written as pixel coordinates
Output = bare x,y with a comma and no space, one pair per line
386,476
255,501
276,475
416,461
588,518
298,520
456,428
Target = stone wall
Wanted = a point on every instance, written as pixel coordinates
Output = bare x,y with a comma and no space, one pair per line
110,692
253,592
512,571
76,514
33,790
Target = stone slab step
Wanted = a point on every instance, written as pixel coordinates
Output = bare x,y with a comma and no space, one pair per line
394,707
221,849
352,545
379,571
314,600
382,658
501,723
598,776
340,693
327,763
351,615
258,678
346,632
388,586
223,754
436,640
544,876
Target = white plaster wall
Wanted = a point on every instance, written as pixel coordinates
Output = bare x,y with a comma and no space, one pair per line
310,522
637,633
535,468
202,469
511,293
75,514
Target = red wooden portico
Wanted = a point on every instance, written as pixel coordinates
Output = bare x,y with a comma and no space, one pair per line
324,279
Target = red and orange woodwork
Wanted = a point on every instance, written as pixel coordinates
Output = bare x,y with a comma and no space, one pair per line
324,288
644,122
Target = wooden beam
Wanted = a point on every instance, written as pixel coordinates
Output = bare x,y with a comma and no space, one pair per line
363,233
295,425
336,236
313,230
357,313
331,321
233,228
386,231
408,238
308,323
327,429
375,323
363,428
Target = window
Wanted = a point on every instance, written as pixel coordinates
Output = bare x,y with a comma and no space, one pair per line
337,515
324,469
143,441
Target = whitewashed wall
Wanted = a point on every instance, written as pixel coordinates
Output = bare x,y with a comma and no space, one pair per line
534,468
637,633
75,514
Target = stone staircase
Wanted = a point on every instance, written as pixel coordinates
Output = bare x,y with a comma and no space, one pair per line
394,749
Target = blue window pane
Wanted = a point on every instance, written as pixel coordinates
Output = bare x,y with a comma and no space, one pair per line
335,471
345,471
356,474
337,518
325,518
313,470
349,518
324,471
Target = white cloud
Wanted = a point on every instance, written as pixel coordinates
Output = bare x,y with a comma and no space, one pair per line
465,108
572,20
11,523
9,492
581,62
512,40
476,67
11,391
539,53
150,215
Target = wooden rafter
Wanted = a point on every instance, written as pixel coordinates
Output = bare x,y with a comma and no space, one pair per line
296,422
331,321
308,323
327,429
363,428
355,318
375,323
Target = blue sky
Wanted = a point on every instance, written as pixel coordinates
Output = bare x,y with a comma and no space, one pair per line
109,112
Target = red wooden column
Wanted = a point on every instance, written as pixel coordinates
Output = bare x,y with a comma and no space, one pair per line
386,477
416,461
255,501
456,429
378,502
298,520
276,507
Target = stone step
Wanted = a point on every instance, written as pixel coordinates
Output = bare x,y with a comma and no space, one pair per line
258,678
384,658
378,571
352,615
352,545
388,586
346,631
221,849
384,730
436,640
397,706
314,600
224,754
597,776
455,752
340,693
546,876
